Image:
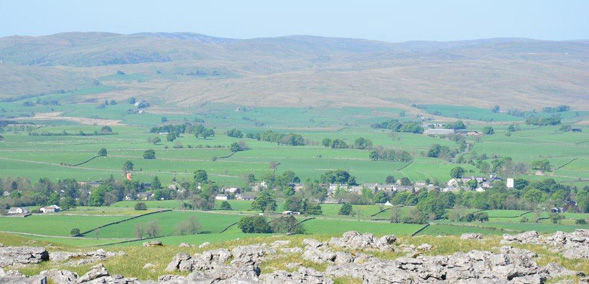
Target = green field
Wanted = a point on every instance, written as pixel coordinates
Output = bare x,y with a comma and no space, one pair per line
54,225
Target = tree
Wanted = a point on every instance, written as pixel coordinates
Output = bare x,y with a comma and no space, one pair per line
326,142
362,143
555,218
153,228
225,206
481,216
254,224
542,165
380,197
155,140
583,200
533,195
75,232
106,129
287,224
390,180
346,209
496,109
189,226
1,138
264,202
139,230
235,147
155,183
511,128
200,176
102,152
132,101
488,130
456,172
338,144
97,196
127,166
67,203
149,154
396,214
274,165
140,206
171,137
405,181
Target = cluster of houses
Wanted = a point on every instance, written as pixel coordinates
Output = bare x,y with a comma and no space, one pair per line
24,211
445,132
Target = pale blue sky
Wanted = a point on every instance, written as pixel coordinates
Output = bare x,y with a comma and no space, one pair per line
370,19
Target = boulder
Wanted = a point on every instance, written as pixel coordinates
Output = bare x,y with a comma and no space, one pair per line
61,276
97,271
152,244
356,241
20,256
185,245
471,236
203,245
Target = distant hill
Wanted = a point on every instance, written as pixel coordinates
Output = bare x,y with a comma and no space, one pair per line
301,70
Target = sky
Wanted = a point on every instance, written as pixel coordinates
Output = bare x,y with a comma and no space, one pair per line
392,21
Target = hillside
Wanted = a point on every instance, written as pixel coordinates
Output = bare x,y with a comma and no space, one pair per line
185,69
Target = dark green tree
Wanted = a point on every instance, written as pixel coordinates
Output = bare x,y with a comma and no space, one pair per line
346,209
149,154
102,152
264,202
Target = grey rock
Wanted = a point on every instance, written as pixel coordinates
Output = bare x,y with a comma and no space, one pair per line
61,276
97,271
312,243
471,236
303,275
356,241
185,245
20,256
152,244
205,244
291,250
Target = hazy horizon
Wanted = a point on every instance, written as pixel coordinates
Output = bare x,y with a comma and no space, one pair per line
388,21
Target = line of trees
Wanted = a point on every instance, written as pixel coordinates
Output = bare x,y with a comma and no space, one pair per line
543,121
397,126
390,155
290,139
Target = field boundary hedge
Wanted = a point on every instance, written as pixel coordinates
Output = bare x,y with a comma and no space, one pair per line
79,164
421,229
383,210
565,164
402,168
227,228
124,220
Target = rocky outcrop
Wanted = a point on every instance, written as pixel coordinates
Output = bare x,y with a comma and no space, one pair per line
98,275
303,275
81,258
241,265
153,244
20,256
573,245
471,236
356,241
211,266
510,265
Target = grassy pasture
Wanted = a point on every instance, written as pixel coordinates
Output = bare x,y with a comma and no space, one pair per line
211,223
54,224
